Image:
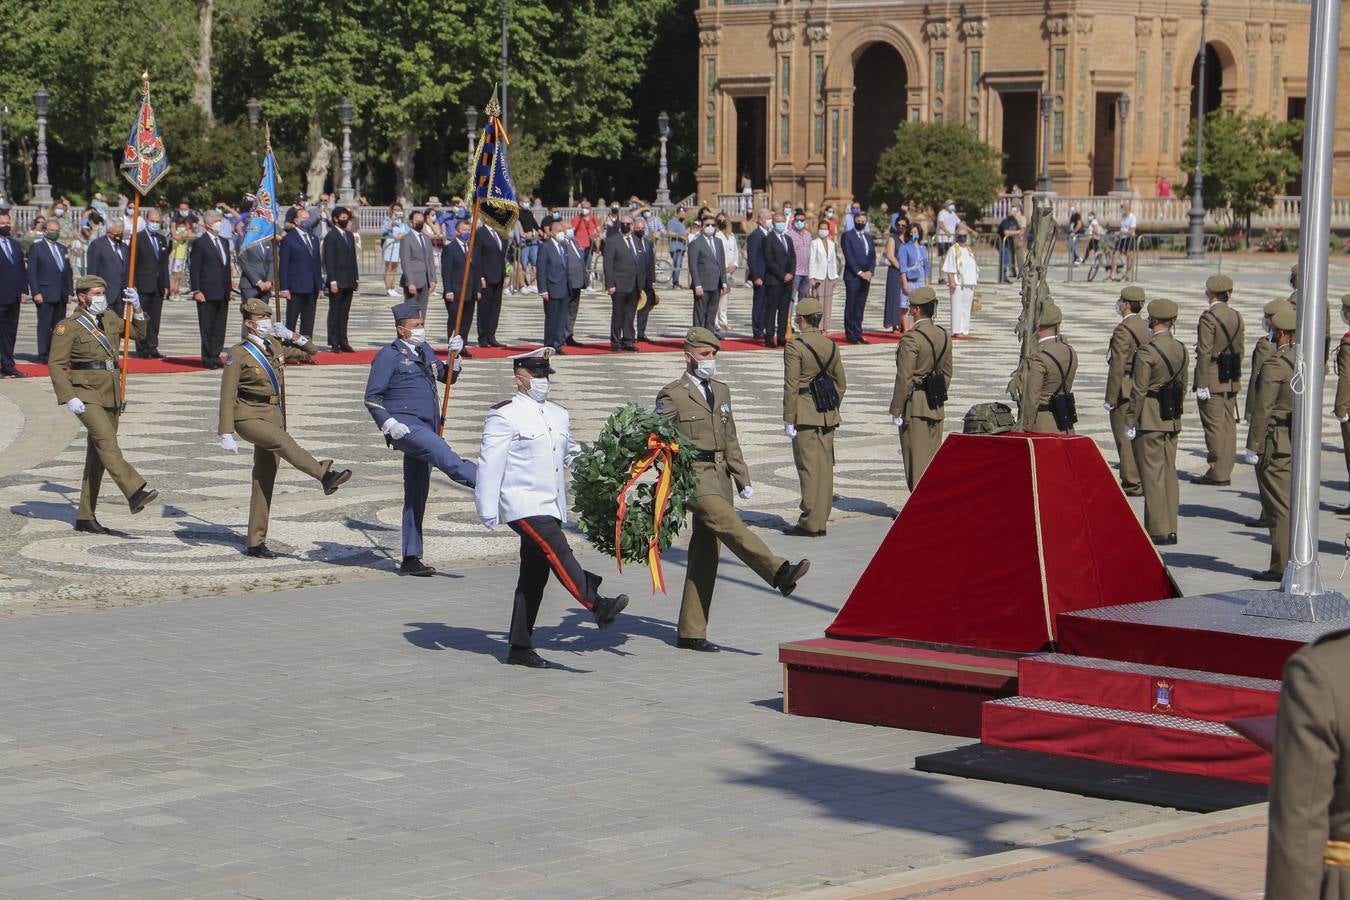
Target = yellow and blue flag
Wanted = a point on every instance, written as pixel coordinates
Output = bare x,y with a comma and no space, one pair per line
263,221
492,188
144,161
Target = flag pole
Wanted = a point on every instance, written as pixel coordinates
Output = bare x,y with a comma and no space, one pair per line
131,266
459,312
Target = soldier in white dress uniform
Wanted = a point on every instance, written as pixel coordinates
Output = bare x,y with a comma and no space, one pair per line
522,483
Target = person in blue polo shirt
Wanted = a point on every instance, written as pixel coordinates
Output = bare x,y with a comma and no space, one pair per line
403,399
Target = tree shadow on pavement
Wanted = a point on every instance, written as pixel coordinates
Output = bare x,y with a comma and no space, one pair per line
439,636
1204,562
915,802
865,506
1200,510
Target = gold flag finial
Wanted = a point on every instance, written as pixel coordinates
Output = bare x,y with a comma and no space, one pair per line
494,106
145,83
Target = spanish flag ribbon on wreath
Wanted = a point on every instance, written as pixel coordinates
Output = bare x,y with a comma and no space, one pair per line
492,190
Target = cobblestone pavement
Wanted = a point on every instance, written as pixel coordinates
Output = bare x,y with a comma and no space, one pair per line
316,727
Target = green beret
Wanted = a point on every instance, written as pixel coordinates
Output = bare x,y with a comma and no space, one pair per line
1219,284
701,337
1134,293
89,282
810,307
1275,306
254,307
1285,319
1050,315
1163,310
922,296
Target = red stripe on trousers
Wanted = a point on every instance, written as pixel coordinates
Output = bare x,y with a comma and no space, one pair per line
555,564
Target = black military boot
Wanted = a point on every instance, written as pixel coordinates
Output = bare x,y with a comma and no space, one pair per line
789,574
607,609
142,498
335,478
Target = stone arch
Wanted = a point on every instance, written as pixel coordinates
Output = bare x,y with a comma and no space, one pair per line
844,54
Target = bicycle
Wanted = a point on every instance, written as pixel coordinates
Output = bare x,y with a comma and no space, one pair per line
1101,257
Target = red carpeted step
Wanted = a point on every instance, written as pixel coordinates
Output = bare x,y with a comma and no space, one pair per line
1140,687
1148,740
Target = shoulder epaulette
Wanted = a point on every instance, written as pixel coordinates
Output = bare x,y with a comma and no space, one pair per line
500,405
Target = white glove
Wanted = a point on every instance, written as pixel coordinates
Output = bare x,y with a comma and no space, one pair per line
1252,457
227,443
395,429
299,340
456,344
1108,406
789,429
1202,393
282,332
75,405
1131,433
1344,419
747,492
130,296
489,522
899,421
459,364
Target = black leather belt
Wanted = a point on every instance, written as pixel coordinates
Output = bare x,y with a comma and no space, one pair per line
804,391
269,399
106,365
709,456
1286,422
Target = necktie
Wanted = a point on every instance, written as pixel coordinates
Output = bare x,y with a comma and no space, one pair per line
561,255
9,254
154,244
117,247
630,247
707,392
60,263
220,245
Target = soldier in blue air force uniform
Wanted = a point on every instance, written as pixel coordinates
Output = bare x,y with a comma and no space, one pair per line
403,399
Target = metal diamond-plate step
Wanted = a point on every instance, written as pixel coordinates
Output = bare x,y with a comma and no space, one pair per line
1173,723
1133,668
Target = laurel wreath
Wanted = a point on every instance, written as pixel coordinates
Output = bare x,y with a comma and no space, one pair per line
602,469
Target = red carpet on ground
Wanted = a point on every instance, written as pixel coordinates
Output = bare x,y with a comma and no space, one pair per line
1003,533
177,364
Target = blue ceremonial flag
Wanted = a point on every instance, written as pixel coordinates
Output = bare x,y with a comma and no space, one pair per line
144,161
492,189
264,221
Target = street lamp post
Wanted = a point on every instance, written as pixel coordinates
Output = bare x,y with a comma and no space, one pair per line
1195,239
42,190
471,119
1123,109
254,113
1047,103
506,56
4,167
662,186
346,196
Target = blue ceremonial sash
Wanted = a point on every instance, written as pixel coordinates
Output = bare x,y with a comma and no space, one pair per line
271,374
89,326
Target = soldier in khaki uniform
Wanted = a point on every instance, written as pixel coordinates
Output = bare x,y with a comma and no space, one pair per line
83,367
1342,407
1049,373
1130,333
1262,351
1308,845
809,354
1160,369
1218,352
252,403
1268,440
700,407
924,350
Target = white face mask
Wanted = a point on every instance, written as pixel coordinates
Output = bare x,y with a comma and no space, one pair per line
98,303
417,336
705,369
262,328
538,389
824,232
223,228
709,230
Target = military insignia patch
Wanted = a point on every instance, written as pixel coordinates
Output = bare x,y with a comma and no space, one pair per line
726,408
660,406
1162,695
61,328
229,359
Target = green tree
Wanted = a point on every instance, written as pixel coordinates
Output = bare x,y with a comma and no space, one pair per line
932,162
1249,161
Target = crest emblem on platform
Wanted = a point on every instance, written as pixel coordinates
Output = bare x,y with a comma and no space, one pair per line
1162,696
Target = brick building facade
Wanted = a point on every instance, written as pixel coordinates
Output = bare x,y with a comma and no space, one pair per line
802,96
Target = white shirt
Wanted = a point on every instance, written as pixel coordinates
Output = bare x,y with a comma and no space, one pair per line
729,247
947,222
824,260
960,261
1128,223
522,462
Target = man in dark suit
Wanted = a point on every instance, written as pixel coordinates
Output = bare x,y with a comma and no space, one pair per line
108,257
576,280
152,282
13,291
454,256
300,276
490,266
707,273
754,270
780,267
209,278
623,279
51,281
647,292
339,261
860,260
552,281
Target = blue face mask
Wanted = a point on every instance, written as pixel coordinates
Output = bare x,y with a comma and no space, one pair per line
153,227
780,227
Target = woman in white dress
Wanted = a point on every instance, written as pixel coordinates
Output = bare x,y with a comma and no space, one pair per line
729,247
824,270
962,277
